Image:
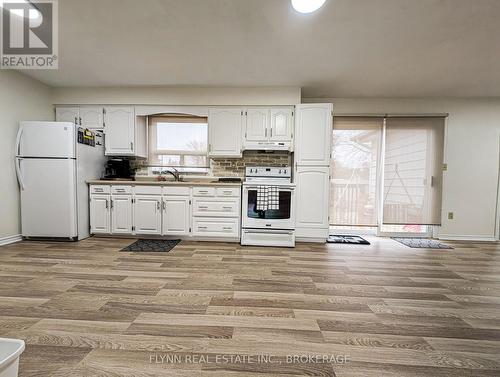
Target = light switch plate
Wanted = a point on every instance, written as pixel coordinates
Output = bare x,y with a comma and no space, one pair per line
450,215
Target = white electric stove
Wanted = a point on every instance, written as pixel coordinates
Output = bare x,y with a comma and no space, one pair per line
272,227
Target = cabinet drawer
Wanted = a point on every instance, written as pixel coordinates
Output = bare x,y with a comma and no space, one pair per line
203,227
121,189
147,190
204,191
176,190
224,208
100,189
228,191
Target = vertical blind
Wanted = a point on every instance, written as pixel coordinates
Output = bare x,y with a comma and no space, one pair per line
413,166
355,170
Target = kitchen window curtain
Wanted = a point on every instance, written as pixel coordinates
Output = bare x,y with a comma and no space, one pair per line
413,170
355,170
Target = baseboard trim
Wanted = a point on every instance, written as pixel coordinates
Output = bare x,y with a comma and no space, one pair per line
452,237
154,236
310,240
10,239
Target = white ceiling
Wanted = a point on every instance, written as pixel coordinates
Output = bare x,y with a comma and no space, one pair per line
349,48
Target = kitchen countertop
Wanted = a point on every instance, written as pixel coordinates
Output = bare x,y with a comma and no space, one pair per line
163,183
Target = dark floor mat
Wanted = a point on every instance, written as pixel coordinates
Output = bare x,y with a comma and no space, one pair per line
422,243
148,246
355,240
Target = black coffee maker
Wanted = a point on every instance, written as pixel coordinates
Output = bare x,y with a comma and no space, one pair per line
118,168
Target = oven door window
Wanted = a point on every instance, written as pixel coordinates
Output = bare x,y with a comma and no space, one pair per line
285,199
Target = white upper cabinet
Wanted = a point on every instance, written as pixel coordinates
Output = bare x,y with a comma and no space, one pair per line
268,128
119,131
257,124
68,114
313,130
225,132
147,214
91,117
281,124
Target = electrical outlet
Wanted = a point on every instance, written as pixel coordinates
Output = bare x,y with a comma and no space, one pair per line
450,215
445,167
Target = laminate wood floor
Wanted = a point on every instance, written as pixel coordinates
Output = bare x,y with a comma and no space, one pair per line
215,309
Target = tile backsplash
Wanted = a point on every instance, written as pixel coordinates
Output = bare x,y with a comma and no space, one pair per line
235,167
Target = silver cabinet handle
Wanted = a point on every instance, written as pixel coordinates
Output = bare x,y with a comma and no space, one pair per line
227,208
111,203
202,227
227,228
131,146
76,120
80,121
164,205
271,132
158,206
107,206
227,192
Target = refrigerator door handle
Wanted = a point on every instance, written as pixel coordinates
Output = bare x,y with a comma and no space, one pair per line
18,173
18,141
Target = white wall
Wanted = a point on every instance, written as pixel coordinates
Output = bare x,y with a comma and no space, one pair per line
471,151
178,96
21,98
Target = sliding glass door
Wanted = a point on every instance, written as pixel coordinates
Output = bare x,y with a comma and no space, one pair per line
355,171
413,165
386,174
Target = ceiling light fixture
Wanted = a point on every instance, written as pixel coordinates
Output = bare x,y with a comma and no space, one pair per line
307,6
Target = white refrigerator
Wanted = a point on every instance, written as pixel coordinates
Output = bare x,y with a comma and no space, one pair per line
53,162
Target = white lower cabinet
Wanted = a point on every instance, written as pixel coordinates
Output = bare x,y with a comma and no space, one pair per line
100,214
147,214
312,201
204,212
121,214
216,227
176,215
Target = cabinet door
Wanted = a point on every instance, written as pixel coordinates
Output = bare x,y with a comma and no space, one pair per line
176,215
121,214
91,117
100,214
225,132
147,214
68,114
314,126
119,131
281,124
312,201
257,124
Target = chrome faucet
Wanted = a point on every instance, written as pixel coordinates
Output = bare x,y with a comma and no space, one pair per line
175,173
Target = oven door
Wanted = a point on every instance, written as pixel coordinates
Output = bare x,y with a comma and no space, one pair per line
282,218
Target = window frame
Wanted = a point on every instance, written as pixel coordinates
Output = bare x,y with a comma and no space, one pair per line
154,154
